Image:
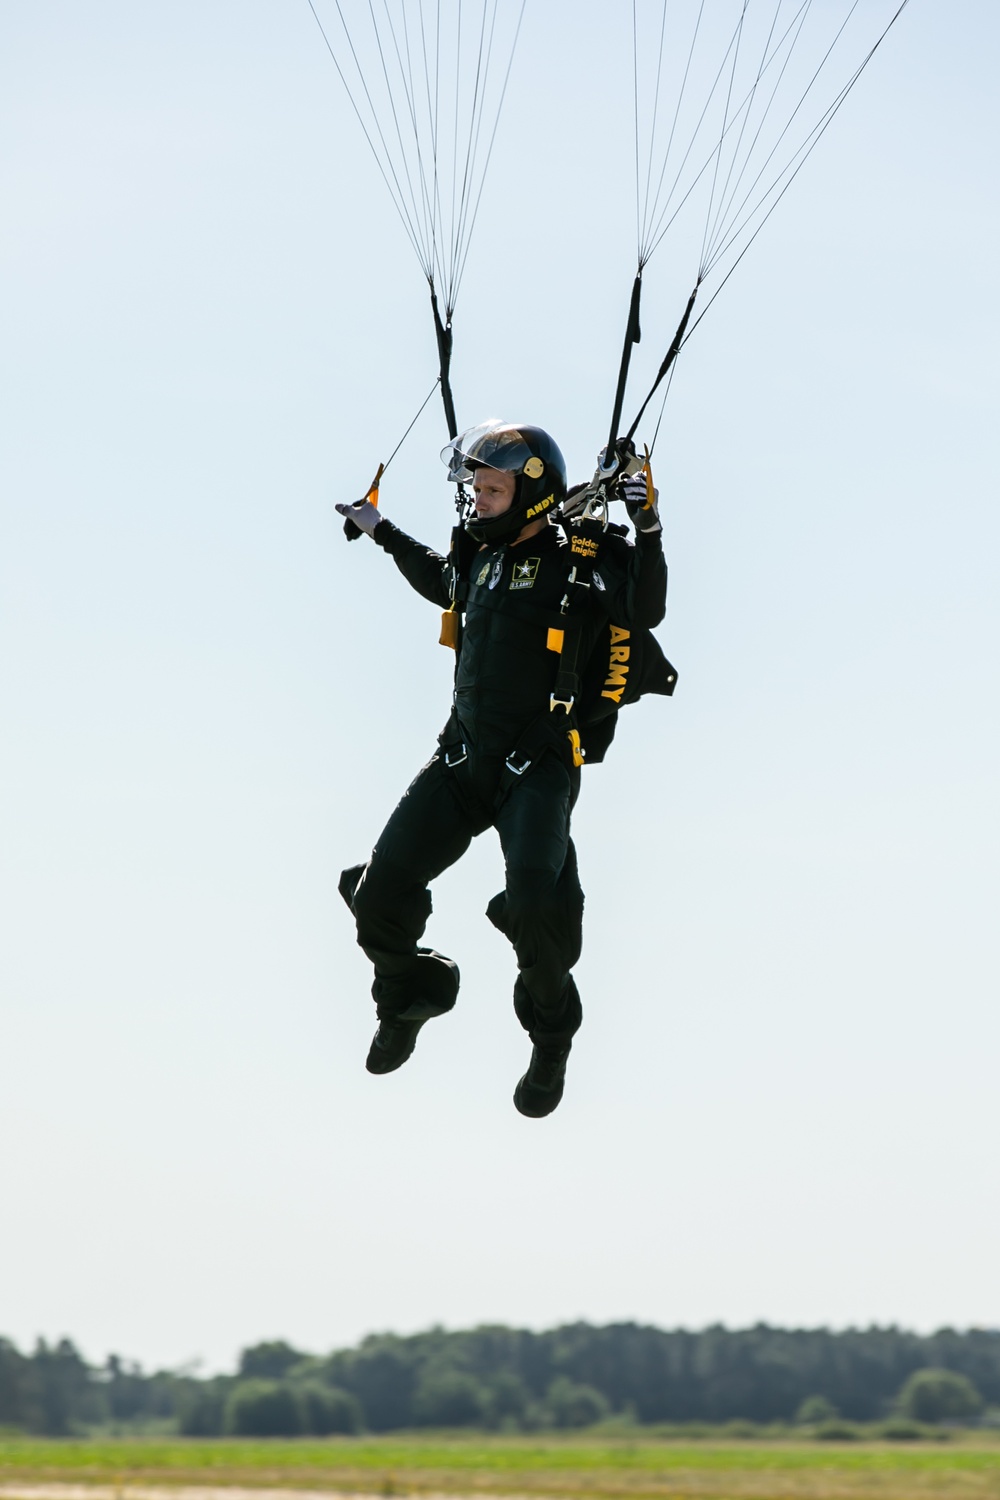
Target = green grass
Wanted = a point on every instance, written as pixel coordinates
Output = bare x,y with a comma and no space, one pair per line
602,1468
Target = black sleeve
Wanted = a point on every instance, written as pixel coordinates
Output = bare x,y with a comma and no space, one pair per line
424,570
635,579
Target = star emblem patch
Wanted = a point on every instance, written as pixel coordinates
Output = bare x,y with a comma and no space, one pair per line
524,573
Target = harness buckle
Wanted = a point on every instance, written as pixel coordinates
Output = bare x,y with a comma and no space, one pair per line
566,704
460,754
512,762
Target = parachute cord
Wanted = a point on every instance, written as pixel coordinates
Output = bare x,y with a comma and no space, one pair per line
655,120
732,218
726,216
726,196
416,203
805,151
405,130
394,187
733,231
655,233
413,424
460,268
725,131
475,122
671,355
687,328
663,406
661,229
635,110
433,106
427,192
655,213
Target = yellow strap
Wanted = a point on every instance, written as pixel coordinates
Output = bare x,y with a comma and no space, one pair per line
573,735
555,639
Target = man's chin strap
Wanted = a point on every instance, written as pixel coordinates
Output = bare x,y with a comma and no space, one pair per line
495,529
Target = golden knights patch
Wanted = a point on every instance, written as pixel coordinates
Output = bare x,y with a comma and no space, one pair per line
525,572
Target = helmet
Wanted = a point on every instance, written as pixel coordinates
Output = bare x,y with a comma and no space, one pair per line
529,454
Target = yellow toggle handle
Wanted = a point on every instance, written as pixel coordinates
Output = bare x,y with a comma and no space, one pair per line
650,490
372,494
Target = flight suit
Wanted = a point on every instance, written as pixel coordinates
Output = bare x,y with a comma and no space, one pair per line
503,761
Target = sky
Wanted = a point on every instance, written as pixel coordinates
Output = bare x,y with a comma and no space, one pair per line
782,1105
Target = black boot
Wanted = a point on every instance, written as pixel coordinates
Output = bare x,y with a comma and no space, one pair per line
392,1045
433,983
541,1088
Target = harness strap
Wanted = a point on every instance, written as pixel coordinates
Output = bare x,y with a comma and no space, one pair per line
556,728
584,538
544,734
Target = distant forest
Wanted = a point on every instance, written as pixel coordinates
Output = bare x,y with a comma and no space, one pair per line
510,1379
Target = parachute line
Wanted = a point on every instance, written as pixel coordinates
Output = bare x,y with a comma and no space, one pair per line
661,228
395,191
803,154
747,177
489,150
735,48
737,231
413,424
726,196
745,174
397,61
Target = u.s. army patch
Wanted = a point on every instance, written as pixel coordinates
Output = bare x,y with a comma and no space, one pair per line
525,573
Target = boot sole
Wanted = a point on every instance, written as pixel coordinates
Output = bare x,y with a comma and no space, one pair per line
543,1103
381,1060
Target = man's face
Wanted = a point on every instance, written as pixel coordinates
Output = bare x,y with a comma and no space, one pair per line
494,491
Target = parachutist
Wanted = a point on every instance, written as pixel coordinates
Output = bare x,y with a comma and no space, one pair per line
556,636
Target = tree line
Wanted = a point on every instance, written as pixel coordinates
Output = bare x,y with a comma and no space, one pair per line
514,1379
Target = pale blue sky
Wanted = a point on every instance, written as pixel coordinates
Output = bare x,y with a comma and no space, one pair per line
783,1102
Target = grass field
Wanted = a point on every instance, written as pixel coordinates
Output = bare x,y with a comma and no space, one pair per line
964,1469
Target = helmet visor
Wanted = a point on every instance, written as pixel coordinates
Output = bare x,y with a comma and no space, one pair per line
495,445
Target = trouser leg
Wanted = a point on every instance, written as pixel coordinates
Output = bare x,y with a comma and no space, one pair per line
429,830
541,909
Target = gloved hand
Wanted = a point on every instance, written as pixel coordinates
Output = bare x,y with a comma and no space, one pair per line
363,516
645,514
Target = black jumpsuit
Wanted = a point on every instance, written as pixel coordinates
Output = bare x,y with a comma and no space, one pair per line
504,677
